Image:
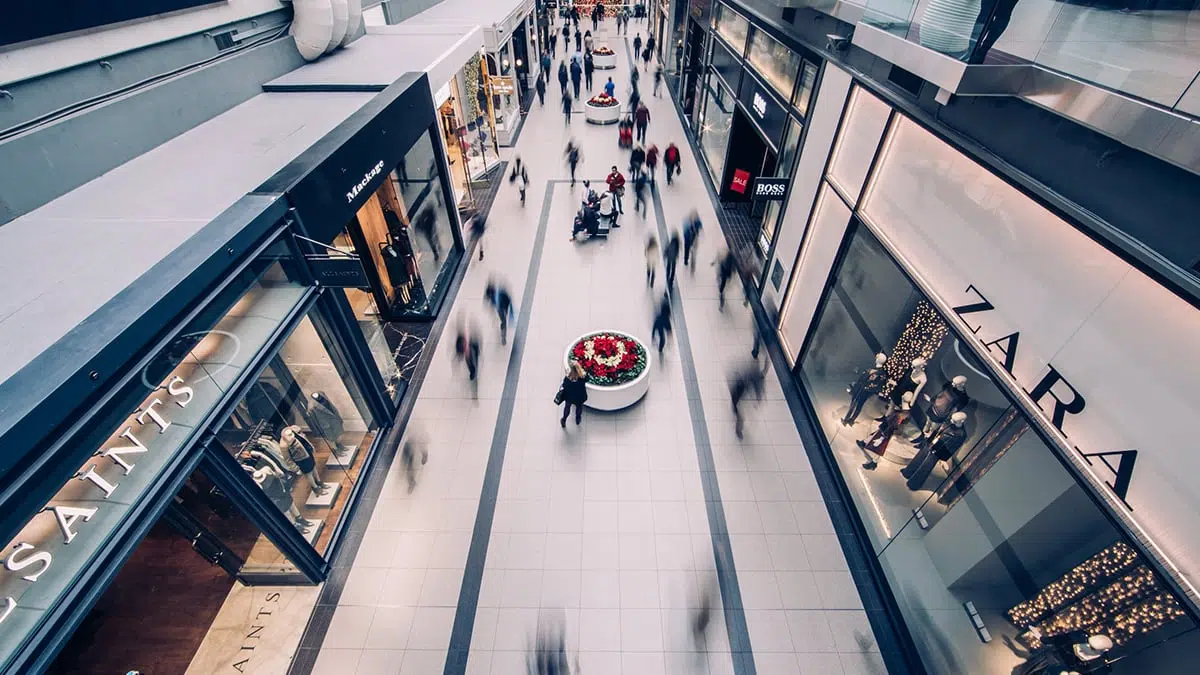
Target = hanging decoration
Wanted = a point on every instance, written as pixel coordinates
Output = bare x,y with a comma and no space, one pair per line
922,337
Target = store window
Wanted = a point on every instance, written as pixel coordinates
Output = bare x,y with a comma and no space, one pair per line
156,615
732,27
303,431
776,63
404,234
1000,561
804,92
726,64
716,124
783,168
862,126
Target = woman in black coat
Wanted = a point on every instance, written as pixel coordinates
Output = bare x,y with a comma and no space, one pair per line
573,393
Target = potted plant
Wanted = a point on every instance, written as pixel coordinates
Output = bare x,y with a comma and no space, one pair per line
604,58
618,368
602,109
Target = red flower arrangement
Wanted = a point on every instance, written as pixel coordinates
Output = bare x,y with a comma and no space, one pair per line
603,101
610,359
603,50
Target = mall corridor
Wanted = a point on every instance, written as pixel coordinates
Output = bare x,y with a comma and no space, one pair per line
619,523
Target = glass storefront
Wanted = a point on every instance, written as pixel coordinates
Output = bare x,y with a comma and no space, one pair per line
405,238
775,62
716,124
731,26
963,501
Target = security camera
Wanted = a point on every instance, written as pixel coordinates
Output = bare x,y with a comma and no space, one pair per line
835,42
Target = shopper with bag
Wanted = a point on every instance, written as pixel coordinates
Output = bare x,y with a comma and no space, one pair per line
671,160
616,185
572,392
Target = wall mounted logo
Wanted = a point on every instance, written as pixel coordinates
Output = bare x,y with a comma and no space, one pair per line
366,180
760,105
769,189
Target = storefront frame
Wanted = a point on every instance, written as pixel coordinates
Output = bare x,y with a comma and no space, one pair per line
1106,503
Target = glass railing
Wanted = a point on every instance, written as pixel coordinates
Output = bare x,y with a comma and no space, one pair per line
1149,49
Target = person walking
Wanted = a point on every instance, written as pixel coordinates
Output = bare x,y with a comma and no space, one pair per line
546,64
651,261
426,226
609,88
662,322
650,44
567,104
726,266
578,40
573,156
588,42
498,297
540,86
635,98
414,450
750,378
637,46
477,228
554,44
639,193
562,76
576,74
523,184
671,257
658,79
671,161
566,33
466,348
641,119
762,332
636,159
691,234
572,392
589,67
616,185
651,161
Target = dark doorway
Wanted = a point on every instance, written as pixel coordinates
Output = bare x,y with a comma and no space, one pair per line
693,63
750,154
521,57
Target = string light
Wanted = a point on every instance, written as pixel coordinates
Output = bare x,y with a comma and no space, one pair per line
922,337
1084,578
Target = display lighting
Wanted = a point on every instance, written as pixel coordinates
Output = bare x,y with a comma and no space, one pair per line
1083,579
922,337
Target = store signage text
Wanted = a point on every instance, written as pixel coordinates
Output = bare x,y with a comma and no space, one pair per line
502,85
1003,349
25,558
254,635
366,180
760,104
741,180
769,189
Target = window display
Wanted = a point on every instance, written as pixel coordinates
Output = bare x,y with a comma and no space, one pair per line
716,124
776,63
1000,561
731,26
302,433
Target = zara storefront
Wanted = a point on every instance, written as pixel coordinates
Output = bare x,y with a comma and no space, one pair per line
173,491
1007,403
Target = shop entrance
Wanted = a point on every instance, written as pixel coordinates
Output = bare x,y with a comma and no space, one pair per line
692,52
521,58
748,157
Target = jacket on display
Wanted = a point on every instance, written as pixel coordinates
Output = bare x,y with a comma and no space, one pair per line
947,402
302,453
326,416
879,440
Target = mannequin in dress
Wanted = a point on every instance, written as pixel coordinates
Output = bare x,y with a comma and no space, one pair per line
300,450
911,383
328,419
942,446
272,485
944,404
869,382
878,441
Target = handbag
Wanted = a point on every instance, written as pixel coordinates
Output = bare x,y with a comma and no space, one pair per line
558,398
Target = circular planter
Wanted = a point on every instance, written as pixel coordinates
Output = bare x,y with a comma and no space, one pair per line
618,396
602,114
604,61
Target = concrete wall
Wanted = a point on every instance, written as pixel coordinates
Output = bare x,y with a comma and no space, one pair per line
53,160
401,10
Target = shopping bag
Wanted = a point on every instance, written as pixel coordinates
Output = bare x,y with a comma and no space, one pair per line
558,398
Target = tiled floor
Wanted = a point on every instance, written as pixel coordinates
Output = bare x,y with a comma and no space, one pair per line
607,522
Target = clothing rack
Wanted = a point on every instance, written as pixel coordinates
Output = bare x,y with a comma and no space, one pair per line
256,432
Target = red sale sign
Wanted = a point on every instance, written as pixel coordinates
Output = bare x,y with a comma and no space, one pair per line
741,180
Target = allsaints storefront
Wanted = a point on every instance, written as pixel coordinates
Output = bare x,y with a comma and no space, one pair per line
177,522
1008,405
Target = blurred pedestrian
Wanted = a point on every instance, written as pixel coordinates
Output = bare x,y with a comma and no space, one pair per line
554,44
701,617
636,159
671,161
576,74
670,257
588,43
589,68
572,392
426,226
641,119
637,46
477,226
651,161
763,333
726,266
658,79
691,234
562,76
497,296
413,456
567,104
573,155
662,322
651,261
744,381
466,349
523,184
540,86
639,193
546,64
648,53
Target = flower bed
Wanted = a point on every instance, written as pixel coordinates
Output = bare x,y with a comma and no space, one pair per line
602,101
602,109
604,58
603,50
610,358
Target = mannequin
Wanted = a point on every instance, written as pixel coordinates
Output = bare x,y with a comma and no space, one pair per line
911,383
878,441
328,419
951,399
300,450
869,382
281,457
1093,649
942,446
272,485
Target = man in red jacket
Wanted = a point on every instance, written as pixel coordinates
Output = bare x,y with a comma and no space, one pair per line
616,185
671,161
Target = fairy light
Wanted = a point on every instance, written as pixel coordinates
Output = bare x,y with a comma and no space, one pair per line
921,338
1084,578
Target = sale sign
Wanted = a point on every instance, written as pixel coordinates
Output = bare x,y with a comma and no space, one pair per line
741,180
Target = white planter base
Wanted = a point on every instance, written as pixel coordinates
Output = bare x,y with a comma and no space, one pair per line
604,61
595,114
622,395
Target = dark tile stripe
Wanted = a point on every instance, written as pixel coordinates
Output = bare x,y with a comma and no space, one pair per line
468,596
731,593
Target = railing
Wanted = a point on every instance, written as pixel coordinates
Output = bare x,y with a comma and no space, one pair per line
1148,49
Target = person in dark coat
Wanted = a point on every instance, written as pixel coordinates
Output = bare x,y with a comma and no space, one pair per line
637,46
567,104
540,86
726,266
477,227
636,159
662,322
467,348
691,234
749,379
573,392
641,119
498,297
651,161
576,75
670,257
554,44
562,76
546,63
589,67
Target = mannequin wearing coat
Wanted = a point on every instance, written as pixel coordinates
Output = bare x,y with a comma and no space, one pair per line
300,450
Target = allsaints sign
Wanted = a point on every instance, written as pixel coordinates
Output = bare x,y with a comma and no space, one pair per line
88,496
1053,393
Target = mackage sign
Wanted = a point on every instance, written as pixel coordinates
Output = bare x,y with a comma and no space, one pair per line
366,180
